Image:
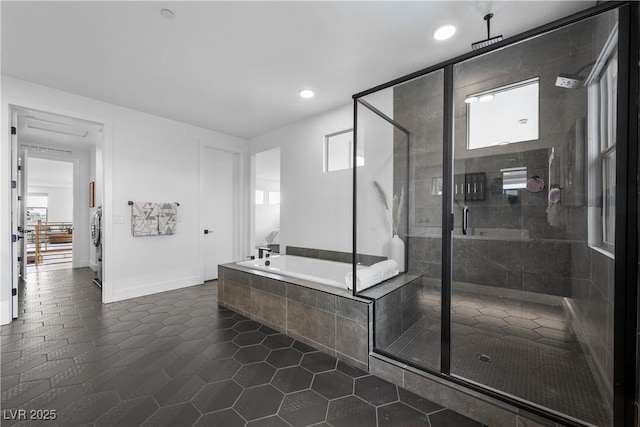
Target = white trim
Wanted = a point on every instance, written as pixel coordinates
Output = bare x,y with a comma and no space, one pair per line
127,288
609,46
107,145
13,214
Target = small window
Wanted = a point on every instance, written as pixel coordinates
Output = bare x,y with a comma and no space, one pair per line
274,197
338,151
503,115
259,197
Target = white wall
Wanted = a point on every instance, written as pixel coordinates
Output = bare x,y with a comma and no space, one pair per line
60,202
316,207
146,158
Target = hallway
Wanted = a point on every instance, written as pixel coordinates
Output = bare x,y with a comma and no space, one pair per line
177,359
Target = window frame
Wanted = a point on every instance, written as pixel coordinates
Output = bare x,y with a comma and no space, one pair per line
602,147
349,151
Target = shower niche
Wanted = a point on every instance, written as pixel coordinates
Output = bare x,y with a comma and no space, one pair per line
504,175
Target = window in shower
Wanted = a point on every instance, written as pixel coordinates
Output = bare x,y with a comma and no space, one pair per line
602,88
503,115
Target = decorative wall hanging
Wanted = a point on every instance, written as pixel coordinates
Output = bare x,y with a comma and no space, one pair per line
168,213
153,219
144,219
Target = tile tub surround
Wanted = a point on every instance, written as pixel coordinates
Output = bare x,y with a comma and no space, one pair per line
327,318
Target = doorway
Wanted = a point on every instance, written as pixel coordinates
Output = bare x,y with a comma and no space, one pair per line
48,230
267,201
54,160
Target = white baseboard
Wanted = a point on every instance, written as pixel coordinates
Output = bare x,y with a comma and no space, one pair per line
124,290
80,263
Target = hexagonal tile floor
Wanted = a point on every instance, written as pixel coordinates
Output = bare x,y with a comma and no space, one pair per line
526,349
177,359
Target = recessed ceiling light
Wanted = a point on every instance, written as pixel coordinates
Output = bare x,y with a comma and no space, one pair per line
306,93
167,13
444,32
486,98
470,99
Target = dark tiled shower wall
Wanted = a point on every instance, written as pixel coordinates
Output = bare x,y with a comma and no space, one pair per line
542,259
592,303
540,266
338,325
396,312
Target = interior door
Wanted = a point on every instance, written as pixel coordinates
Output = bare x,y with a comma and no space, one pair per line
219,220
17,246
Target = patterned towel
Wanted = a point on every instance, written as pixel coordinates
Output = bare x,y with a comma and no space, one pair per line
168,213
144,219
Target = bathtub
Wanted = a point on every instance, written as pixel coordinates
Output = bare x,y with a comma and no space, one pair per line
329,273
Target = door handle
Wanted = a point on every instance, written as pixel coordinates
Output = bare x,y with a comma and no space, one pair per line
206,231
465,220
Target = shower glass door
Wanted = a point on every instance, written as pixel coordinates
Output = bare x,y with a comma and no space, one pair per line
399,199
532,252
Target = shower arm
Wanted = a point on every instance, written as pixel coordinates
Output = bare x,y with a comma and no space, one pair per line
487,18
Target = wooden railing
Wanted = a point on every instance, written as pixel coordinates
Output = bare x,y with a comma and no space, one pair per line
52,243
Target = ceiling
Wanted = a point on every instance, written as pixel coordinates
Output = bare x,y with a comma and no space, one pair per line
237,67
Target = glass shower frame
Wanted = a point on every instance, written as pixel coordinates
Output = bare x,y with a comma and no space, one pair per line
626,249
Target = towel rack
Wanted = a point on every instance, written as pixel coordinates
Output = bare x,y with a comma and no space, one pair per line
130,203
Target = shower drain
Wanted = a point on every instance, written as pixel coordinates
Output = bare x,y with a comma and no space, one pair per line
484,358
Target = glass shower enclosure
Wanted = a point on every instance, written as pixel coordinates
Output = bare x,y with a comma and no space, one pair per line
497,171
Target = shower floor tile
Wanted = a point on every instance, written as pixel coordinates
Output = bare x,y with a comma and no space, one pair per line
527,350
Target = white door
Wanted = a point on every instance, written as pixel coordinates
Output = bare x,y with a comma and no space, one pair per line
17,245
219,195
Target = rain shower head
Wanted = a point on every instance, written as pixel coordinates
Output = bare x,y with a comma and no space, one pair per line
569,81
573,81
489,40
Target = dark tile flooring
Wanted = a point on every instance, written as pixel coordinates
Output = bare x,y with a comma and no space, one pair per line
177,359
532,351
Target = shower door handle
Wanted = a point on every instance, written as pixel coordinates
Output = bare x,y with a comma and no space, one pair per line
465,220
